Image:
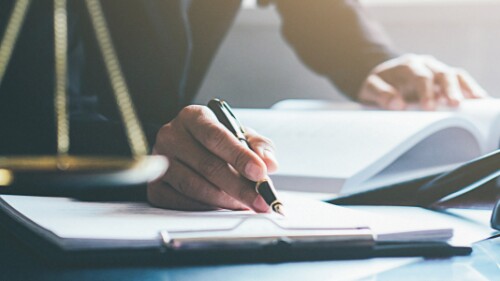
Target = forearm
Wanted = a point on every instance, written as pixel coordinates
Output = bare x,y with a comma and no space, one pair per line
336,39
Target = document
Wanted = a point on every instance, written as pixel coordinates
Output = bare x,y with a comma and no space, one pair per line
78,225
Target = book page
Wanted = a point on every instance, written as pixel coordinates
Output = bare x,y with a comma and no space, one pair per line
332,151
485,114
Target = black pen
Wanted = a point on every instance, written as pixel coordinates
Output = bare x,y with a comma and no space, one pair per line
226,116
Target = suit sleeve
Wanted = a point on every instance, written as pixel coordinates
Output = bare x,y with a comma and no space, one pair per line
335,38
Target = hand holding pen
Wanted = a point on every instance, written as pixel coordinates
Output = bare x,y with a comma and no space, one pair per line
264,186
209,167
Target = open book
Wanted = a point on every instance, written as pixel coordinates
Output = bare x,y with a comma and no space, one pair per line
345,150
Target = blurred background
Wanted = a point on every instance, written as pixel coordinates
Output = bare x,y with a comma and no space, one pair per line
256,68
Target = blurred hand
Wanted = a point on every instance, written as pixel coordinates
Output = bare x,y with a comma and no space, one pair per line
417,78
208,167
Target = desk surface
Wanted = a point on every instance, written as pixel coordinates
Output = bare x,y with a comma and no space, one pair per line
16,263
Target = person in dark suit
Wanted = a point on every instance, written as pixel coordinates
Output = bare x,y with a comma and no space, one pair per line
165,48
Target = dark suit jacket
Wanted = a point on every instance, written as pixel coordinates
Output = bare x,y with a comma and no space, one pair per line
165,48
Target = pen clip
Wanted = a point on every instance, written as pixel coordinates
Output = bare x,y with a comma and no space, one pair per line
226,116
237,124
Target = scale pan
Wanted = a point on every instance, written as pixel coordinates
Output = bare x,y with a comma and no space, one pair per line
70,175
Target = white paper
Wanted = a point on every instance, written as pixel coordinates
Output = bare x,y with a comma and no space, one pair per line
468,226
78,224
70,219
349,151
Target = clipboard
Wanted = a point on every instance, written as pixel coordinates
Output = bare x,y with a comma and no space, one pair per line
235,237
277,242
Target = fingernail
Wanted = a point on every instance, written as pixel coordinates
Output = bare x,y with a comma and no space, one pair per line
259,150
270,155
259,205
254,172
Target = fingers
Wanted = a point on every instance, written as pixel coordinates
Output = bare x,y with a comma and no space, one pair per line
217,172
449,88
209,166
469,86
422,78
187,182
416,81
217,139
446,80
424,86
455,84
377,91
264,148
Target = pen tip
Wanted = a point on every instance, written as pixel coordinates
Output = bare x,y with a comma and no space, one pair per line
278,208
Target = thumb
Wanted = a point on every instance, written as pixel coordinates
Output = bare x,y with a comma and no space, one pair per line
377,91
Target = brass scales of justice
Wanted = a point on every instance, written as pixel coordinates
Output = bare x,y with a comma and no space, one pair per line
63,172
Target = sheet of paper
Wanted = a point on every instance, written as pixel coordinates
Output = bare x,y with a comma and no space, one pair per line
70,219
468,226
100,224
